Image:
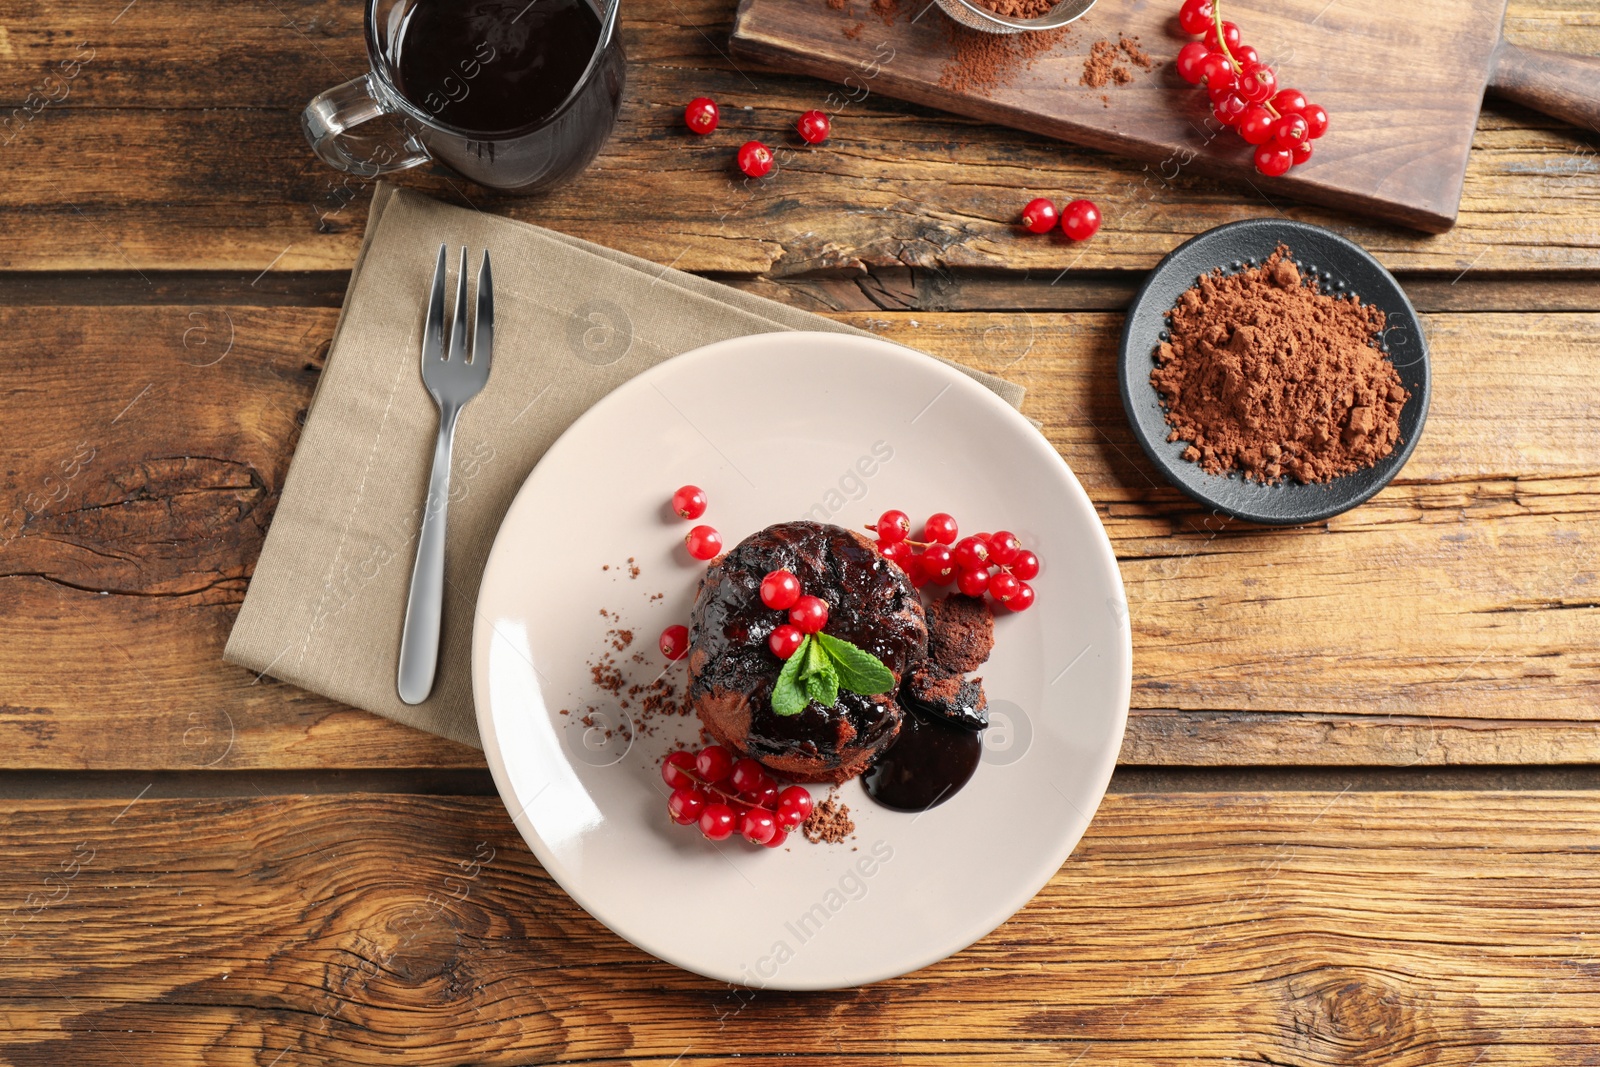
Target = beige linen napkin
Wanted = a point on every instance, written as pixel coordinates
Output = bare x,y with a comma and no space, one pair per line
573,321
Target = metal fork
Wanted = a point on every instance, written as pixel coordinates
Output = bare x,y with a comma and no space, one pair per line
452,380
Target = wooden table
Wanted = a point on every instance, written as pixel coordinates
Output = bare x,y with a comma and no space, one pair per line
1356,817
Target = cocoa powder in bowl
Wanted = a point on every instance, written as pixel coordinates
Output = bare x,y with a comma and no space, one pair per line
1267,375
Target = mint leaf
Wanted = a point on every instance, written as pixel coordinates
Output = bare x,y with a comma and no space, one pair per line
857,669
823,687
788,697
817,675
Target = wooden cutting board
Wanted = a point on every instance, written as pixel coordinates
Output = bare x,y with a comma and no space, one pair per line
1402,82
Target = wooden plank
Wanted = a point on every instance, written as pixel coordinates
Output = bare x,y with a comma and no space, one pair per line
178,147
1305,928
131,513
1451,620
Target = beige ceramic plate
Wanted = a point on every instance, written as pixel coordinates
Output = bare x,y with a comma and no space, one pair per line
776,427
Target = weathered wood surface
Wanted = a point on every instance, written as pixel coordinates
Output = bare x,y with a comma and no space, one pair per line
177,146
1453,619
144,452
1290,928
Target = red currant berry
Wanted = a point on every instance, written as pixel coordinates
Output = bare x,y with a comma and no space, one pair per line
1290,131
893,526
809,614
780,589
1302,152
938,564
678,768
794,805
1246,56
1022,599
685,805
703,542
778,838
713,763
940,529
1196,16
701,115
747,775
689,502
757,826
1230,36
1258,84
813,127
973,582
717,821
898,553
1004,546
1003,586
1025,566
971,553
1080,220
785,641
914,571
1256,124
1040,215
1217,72
1191,62
1229,109
755,159
674,642
1273,161
765,794
1316,117
1289,100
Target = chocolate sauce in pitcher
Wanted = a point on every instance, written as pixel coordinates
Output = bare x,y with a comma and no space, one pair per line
491,66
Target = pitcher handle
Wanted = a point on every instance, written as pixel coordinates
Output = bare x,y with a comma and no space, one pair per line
328,116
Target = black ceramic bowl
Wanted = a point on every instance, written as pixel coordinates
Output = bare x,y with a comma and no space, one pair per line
1341,266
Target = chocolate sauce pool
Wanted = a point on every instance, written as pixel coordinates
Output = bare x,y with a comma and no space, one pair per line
927,764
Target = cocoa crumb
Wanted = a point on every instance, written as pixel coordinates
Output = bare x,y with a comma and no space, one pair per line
633,568
1269,376
1098,67
887,10
1136,54
838,5
852,32
829,821
620,639
604,567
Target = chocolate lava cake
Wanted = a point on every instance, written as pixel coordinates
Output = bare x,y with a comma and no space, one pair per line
871,603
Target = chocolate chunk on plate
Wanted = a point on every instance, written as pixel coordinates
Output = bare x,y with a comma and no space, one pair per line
960,632
947,695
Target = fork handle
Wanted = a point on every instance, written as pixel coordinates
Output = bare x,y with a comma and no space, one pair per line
419,640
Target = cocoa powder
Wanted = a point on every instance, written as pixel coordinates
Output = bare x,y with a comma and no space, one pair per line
982,61
1267,375
1018,9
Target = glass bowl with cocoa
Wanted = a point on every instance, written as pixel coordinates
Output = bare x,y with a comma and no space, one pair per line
1274,371
1014,16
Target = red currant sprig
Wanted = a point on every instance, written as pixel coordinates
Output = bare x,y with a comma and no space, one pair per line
721,794
1244,91
780,591
995,564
